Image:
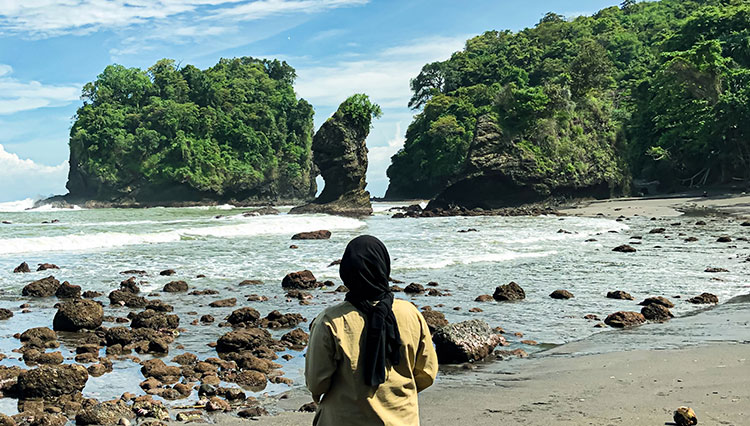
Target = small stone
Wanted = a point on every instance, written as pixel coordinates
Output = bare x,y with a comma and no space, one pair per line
624,249
685,416
561,294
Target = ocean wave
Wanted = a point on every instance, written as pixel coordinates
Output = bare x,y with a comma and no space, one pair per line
27,205
407,263
264,225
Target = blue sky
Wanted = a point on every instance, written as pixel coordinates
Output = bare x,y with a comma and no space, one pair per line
50,48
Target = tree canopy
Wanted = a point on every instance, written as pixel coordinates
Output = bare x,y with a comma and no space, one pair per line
652,90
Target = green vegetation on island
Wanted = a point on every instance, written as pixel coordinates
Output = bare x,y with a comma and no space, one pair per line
648,90
171,133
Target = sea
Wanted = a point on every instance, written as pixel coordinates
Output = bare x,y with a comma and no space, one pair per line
542,254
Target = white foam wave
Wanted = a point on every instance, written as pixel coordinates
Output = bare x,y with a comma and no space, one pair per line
27,205
445,261
264,225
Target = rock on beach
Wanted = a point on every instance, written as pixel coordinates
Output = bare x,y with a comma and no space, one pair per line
466,341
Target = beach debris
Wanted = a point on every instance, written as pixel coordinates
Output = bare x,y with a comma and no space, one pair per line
624,319
561,294
314,235
22,268
223,303
45,266
509,292
658,300
414,288
46,287
685,416
704,298
619,294
656,312
78,314
175,287
716,270
466,341
624,249
434,319
300,280
68,291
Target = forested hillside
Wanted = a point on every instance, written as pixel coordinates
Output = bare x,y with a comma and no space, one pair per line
178,133
648,90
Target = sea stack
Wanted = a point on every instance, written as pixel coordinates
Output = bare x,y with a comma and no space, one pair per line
340,154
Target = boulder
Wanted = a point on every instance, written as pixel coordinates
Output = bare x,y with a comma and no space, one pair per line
624,249
5,314
300,280
484,298
46,287
45,266
561,294
52,381
243,315
104,413
434,320
130,285
155,320
251,379
276,319
619,294
250,282
223,303
705,298
414,288
249,339
314,235
175,287
42,334
340,153
157,369
77,315
127,298
658,300
655,312
509,292
624,319
296,338
465,341
724,239
68,291
167,272
22,268
119,336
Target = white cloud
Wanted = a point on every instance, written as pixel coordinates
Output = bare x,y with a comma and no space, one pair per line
382,154
18,96
24,178
47,18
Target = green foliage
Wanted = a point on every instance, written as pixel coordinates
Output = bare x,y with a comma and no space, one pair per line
359,109
656,90
235,129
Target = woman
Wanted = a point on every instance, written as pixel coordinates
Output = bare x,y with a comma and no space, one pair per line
369,355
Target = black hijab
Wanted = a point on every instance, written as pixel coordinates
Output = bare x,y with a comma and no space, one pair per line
365,268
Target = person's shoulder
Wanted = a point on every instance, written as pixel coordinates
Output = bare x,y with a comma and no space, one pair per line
404,306
336,311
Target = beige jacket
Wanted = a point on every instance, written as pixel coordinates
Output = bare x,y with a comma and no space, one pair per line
336,382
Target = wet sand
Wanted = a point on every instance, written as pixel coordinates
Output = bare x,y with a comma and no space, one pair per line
671,206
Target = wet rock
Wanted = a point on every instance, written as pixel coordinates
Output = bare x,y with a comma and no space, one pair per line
46,287
434,320
159,306
301,280
119,336
52,381
314,235
250,282
561,294
40,337
185,359
43,358
90,294
262,211
5,314
506,355
724,239
139,272
127,298
435,292
130,285
46,266
716,270
465,341
158,346
690,239
276,319
234,394
658,300
22,268
207,319
68,291
624,249
157,369
296,338
298,294
704,298
8,421
655,312
155,320
203,292
105,413
251,379
249,339
396,289
685,416
657,231
591,317
252,412
167,272
509,292
217,404
175,287
223,303
243,315
77,315
484,298
414,288
310,407
624,319
619,294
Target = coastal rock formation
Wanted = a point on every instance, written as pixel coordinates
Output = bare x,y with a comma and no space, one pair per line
465,341
434,319
509,292
619,294
46,287
52,381
104,413
175,287
561,294
340,153
314,235
68,291
624,319
655,312
77,315
658,300
705,298
22,268
301,280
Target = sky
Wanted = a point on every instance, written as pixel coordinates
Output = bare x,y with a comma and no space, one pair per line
50,48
